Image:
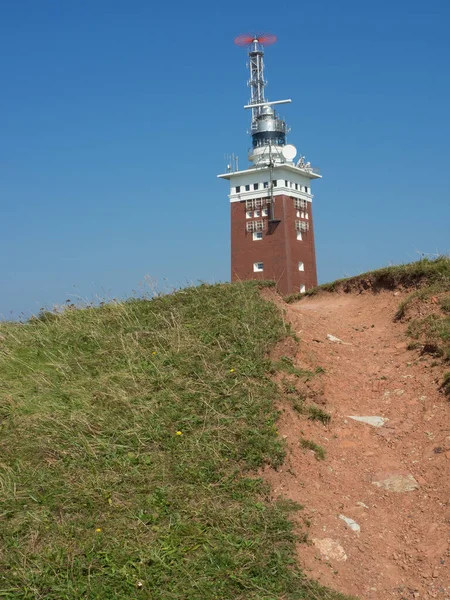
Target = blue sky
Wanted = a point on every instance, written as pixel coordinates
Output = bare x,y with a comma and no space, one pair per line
115,117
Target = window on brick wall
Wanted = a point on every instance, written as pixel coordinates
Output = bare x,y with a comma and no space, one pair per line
302,288
249,214
301,226
258,267
257,235
301,266
251,226
257,213
300,203
299,235
265,212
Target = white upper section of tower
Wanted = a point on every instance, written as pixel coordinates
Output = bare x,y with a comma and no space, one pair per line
268,130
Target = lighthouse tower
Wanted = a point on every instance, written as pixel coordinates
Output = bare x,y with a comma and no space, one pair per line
272,233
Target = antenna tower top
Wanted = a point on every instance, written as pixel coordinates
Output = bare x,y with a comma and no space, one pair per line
268,130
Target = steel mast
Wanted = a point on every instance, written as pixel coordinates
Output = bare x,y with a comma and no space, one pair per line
268,131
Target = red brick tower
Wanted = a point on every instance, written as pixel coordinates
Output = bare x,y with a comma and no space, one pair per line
272,234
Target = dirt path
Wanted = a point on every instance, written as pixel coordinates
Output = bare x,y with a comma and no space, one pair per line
402,549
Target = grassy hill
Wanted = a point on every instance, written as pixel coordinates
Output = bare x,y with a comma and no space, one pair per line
129,438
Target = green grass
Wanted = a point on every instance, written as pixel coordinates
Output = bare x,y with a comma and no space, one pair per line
431,332
286,364
434,333
317,414
424,294
446,383
129,436
411,275
319,452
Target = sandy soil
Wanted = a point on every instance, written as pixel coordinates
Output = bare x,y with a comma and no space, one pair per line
402,550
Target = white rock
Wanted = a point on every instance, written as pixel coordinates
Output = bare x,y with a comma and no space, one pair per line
351,523
374,421
398,483
362,504
330,549
334,339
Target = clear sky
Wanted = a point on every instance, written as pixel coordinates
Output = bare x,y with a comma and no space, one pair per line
115,116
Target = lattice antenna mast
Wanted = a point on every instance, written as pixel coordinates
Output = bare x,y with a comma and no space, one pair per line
256,82
267,128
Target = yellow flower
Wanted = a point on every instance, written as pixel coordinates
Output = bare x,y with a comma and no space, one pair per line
98,530
154,352
179,433
231,370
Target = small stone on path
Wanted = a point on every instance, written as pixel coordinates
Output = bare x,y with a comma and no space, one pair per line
333,338
330,549
374,421
351,523
398,483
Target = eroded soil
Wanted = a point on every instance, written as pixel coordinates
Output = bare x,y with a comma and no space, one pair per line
402,549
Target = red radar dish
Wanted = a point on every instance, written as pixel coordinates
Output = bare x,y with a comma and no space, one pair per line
262,38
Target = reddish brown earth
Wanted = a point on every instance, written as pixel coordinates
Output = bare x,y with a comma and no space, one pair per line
402,550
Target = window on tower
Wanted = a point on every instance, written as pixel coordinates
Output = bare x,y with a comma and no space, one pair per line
257,213
302,288
301,266
299,235
258,267
265,212
257,235
249,214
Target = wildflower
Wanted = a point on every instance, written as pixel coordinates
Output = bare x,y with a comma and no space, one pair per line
98,530
179,433
154,352
231,370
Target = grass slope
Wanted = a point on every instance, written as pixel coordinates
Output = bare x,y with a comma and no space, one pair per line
128,433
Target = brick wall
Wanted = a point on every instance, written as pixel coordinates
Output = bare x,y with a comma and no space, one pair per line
279,250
